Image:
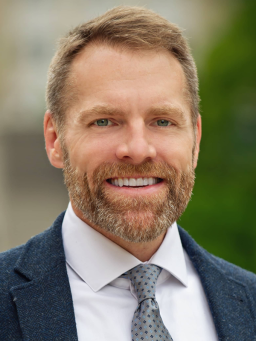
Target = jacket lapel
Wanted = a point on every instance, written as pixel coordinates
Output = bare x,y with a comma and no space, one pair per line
229,299
44,303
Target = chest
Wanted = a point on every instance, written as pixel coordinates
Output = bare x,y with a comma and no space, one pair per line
107,314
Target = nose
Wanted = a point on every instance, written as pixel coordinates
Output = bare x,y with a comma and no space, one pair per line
135,146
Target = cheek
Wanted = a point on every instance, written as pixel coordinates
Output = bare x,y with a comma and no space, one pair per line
177,153
89,154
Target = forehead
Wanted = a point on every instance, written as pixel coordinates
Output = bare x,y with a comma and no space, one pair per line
97,57
104,75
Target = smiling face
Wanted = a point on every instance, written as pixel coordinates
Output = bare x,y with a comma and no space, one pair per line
129,147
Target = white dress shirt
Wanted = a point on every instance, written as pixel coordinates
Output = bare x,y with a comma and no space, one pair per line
104,304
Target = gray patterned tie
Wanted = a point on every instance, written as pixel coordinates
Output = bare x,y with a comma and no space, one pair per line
147,323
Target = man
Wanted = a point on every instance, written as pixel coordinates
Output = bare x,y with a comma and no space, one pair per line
123,123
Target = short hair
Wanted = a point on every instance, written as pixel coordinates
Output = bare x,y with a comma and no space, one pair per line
134,28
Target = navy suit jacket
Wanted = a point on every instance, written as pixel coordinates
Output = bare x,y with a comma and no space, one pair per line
36,302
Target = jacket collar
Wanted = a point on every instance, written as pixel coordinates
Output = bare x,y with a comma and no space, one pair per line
229,299
43,252
44,303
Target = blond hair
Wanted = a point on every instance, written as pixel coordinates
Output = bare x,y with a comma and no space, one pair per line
133,28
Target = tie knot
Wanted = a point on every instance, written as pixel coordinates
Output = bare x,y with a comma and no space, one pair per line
144,278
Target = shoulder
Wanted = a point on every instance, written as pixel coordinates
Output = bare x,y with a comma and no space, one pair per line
35,255
233,271
8,259
205,262
23,264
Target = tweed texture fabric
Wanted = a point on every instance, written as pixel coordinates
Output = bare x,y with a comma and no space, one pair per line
147,323
36,301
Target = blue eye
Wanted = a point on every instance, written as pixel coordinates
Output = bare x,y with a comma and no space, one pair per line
163,123
103,122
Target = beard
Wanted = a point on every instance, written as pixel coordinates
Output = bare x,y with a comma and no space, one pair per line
134,219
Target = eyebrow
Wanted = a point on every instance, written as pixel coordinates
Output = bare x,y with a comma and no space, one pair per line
107,111
169,110
98,110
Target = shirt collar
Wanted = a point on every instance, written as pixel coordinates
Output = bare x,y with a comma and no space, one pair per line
98,260
170,255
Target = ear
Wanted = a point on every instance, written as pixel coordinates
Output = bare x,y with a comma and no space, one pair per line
198,139
52,141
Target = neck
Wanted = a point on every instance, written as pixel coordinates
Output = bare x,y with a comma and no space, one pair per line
142,251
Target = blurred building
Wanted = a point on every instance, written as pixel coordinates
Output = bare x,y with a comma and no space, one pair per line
32,193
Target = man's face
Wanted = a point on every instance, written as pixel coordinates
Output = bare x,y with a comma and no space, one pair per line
128,144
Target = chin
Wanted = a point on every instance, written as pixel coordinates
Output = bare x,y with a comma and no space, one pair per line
138,227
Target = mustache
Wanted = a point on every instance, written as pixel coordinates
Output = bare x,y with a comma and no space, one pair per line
147,169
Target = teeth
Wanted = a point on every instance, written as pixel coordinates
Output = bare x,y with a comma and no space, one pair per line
132,182
120,182
126,182
140,182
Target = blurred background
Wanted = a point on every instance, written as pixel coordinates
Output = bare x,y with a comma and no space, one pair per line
222,34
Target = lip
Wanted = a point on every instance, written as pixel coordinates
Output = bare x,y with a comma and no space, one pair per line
133,191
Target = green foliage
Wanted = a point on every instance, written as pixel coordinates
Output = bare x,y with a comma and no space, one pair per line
221,215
